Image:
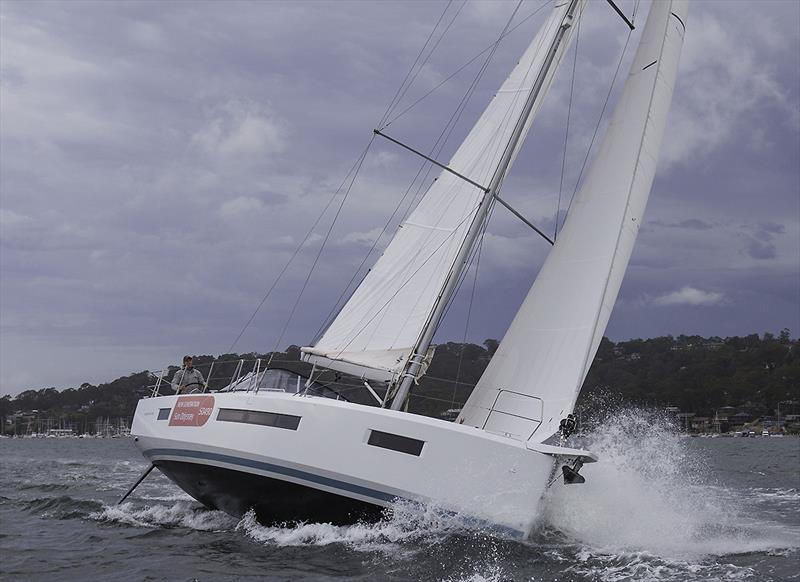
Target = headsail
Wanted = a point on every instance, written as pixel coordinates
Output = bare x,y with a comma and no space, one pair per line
535,376
375,333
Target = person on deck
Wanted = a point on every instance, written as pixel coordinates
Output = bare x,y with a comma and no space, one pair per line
188,379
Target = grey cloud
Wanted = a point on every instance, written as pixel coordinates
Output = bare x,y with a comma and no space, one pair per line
760,250
161,163
690,223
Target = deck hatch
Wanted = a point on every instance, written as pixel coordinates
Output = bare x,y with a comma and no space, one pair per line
163,413
395,442
287,421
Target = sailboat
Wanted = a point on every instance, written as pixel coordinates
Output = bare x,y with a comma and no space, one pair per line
292,450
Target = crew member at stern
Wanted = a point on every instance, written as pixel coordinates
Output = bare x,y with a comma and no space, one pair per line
188,379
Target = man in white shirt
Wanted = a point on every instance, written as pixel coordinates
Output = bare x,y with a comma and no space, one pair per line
188,379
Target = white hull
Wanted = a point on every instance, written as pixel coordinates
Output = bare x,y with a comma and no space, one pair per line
322,446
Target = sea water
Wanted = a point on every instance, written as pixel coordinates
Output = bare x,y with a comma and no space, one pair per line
658,506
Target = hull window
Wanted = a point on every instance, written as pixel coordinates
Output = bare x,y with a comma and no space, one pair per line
395,442
163,413
287,421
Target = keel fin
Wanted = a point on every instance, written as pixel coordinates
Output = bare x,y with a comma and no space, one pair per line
571,476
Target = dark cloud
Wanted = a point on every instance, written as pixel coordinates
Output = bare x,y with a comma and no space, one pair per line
761,250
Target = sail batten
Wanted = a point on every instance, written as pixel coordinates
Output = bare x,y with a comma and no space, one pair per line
547,351
393,306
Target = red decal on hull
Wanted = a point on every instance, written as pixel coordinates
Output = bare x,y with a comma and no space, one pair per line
192,411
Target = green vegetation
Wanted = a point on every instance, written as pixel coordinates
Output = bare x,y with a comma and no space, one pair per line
706,379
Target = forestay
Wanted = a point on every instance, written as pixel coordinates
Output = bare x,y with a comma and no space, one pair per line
535,376
375,333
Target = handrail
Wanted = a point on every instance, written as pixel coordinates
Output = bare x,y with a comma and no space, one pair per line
251,379
255,379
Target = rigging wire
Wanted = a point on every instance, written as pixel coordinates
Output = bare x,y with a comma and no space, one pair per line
446,133
435,150
298,249
602,112
395,99
469,316
336,308
566,132
464,66
325,240
430,53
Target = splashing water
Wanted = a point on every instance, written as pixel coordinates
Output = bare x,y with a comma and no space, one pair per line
408,523
650,495
181,514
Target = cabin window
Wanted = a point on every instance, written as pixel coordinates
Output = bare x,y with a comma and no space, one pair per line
395,442
163,413
275,419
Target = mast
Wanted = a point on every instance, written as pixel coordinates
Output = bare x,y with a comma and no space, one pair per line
415,361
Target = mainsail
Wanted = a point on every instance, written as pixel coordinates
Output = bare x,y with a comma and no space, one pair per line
534,378
380,326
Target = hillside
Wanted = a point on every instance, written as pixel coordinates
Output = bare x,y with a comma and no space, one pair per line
754,377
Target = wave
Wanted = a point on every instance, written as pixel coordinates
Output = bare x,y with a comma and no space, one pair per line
43,487
187,514
645,567
407,522
62,507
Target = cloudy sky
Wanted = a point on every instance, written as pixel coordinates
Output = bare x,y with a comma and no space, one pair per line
161,162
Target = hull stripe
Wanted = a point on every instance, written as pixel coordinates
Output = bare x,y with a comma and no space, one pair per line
379,496
277,469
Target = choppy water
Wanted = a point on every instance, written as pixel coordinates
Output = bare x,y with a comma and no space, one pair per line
658,507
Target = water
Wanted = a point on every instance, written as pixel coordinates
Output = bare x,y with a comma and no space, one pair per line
658,507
